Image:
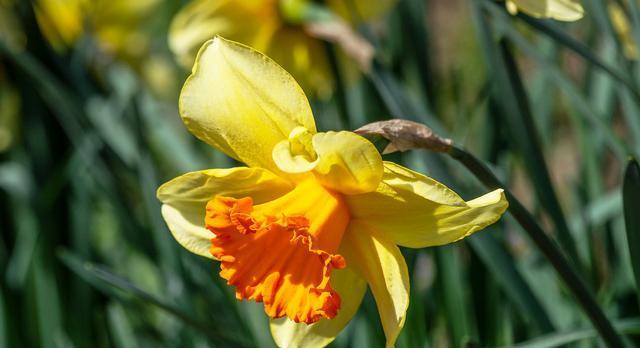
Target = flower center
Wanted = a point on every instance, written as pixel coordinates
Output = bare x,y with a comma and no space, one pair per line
282,252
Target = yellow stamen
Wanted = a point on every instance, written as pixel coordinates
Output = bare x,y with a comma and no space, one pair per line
282,252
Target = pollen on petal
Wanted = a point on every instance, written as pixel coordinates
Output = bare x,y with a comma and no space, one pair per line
273,253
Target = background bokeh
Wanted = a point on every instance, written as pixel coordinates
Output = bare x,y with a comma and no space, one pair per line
89,128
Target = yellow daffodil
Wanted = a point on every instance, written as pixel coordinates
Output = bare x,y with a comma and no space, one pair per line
315,217
561,10
269,26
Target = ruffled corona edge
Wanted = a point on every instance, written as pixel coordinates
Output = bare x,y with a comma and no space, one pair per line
271,259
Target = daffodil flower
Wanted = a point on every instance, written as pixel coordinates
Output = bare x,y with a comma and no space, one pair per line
120,28
115,23
269,26
316,217
561,10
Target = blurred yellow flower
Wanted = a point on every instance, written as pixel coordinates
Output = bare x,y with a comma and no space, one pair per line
121,28
61,21
115,23
274,27
315,217
622,27
561,10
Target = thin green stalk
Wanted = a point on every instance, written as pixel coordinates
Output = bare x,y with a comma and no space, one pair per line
520,122
399,105
548,247
394,101
513,103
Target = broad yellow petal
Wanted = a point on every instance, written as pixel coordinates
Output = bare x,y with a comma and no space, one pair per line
241,102
377,259
348,162
562,10
351,288
185,198
417,211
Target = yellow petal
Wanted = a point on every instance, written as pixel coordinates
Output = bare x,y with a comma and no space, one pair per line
377,259
241,102
351,288
185,198
417,211
61,21
562,10
348,163
250,22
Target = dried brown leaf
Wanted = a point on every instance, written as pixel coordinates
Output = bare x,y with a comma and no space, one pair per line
405,135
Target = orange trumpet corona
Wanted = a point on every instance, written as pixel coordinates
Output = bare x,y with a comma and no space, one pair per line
282,252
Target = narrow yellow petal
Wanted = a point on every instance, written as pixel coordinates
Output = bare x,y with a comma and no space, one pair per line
377,259
351,288
185,198
417,211
241,102
561,10
348,162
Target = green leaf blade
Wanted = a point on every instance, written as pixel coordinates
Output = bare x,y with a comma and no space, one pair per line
631,202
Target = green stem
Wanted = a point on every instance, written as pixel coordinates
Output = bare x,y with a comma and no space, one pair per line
519,121
573,281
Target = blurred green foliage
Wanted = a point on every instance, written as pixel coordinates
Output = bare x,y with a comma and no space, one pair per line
86,137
